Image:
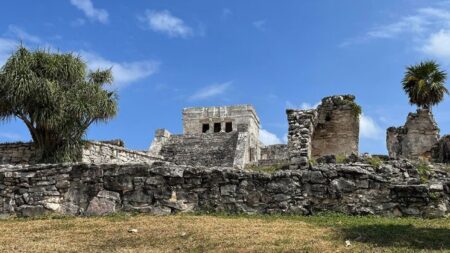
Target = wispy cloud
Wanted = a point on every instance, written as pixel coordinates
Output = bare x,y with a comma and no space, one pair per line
7,46
90,11
164,22
438,45
268,138
369,129
21,34
226,13
260,25
422,24
124,72
210,91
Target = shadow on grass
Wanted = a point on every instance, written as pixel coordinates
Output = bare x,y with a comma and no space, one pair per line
394,235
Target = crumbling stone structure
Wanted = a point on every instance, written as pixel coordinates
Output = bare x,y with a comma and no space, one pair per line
331,129
415,139
277,154
93,152
440,152
393,189
212,136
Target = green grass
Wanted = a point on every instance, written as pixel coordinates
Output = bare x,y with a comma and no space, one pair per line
424,170
220,232
376,162
267,169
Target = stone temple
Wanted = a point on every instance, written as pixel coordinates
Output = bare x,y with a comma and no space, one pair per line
215,166
212,136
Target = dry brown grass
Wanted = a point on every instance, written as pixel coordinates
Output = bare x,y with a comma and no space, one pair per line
162,234
206,233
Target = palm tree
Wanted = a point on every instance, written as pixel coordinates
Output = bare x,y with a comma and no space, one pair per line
424,83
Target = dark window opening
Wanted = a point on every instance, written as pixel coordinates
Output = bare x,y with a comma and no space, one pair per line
205,128
228,127
217,127
328,117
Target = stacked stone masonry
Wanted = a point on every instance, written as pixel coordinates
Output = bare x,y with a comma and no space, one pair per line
393,189
277,154
415,139
93,152
331,129
210,150
336,130
440,152
212,136
301,127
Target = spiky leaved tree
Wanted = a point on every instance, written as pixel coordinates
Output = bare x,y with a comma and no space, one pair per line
424,83
57,99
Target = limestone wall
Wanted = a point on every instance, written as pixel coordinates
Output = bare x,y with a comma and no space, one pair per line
214,149
98,152
440,152
274,155
93,152
331,129
415,139
16,153
337,127
163,188
301,129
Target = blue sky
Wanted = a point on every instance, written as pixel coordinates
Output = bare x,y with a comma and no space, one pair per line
167,55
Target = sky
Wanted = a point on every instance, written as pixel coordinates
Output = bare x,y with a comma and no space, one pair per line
167,55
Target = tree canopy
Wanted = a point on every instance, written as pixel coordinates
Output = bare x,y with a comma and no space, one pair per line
424,83
57,98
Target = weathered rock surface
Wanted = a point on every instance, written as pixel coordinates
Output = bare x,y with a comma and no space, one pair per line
394,189
415,139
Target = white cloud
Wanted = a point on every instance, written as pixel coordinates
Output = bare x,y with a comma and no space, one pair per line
369,129
210,91
268,138
23,35
90,11
7,47
438,45
419,25
285,138
124,72
260,25
165,22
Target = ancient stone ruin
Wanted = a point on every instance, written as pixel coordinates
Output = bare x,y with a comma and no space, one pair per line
216,136
393,189
207,168
415,139
92,152
331,129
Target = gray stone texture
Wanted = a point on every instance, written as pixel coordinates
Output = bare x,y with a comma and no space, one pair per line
331,129
93,152
415,139
211,149
440,152
235,146
393,189
336,131
277,154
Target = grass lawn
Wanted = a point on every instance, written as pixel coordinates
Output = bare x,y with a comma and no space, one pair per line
223,233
